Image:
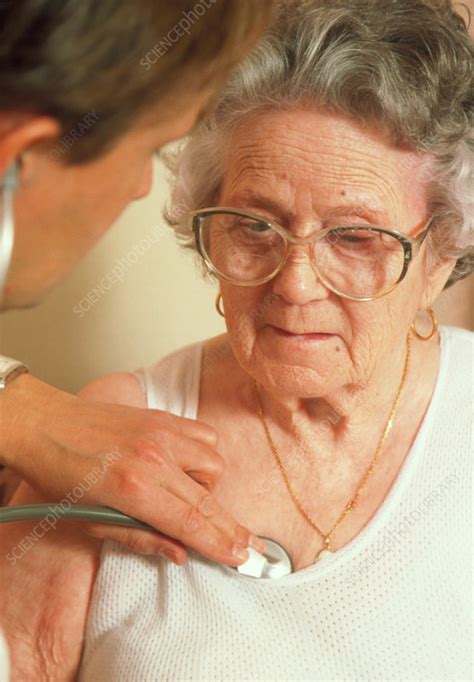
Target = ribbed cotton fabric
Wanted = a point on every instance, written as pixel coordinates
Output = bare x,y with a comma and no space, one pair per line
393,604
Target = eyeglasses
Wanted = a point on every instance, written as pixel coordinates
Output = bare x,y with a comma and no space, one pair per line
359,262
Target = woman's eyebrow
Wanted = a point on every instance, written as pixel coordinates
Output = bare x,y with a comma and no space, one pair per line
265,203
369,210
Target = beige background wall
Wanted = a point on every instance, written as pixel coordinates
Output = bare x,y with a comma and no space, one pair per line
161,304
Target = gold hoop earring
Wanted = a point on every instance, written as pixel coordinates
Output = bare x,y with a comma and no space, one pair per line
219,304
434,327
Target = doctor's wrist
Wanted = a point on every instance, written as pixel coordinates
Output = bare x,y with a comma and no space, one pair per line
20,408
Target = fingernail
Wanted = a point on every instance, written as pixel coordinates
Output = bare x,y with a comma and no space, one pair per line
257,543
240,552
170,554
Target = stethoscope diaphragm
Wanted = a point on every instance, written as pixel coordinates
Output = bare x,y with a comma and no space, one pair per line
274,563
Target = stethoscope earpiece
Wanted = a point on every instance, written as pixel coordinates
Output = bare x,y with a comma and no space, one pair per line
8,184
10,179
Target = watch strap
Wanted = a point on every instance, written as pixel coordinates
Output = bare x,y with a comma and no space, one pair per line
9,370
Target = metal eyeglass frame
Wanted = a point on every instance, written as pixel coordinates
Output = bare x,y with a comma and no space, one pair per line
411,246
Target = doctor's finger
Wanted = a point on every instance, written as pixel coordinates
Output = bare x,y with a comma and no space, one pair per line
200,460
154,490
190,525
189,428
139,541
202,511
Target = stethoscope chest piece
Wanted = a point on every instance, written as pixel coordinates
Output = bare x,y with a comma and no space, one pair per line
274,563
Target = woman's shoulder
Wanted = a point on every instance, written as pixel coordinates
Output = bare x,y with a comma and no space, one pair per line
119,388
129,388
176,364
172,383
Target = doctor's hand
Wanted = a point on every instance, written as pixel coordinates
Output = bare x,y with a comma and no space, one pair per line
149,464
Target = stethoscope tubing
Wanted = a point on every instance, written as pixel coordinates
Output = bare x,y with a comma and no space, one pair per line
77,512
97,514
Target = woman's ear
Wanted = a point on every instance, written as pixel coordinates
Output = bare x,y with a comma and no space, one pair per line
439,271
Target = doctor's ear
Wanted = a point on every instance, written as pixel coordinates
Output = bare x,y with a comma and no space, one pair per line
22,136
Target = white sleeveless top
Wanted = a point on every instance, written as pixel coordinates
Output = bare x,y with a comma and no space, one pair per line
393,604
4,660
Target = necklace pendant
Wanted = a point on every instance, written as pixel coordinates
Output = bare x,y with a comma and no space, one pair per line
322,553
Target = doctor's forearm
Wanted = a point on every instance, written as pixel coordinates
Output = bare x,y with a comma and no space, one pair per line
21,405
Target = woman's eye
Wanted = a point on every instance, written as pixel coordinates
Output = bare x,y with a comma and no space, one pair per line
355,239
353,236
255,227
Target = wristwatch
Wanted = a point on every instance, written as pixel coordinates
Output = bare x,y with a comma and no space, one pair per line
9,370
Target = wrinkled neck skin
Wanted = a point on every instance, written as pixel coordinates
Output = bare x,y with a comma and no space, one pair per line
348,419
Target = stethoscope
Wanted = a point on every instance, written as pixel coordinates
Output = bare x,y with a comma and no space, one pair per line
273,563
8,186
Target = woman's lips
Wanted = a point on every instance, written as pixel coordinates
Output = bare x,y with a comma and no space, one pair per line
313,336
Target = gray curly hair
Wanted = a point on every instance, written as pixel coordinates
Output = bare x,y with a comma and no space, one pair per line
405,64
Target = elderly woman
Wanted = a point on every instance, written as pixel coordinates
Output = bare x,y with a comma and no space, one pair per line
328,195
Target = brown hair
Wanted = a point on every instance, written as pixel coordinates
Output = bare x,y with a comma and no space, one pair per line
95,66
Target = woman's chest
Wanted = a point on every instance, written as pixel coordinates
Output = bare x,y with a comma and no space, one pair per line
299,495
301,513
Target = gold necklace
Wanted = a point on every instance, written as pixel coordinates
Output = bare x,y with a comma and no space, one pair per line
388,427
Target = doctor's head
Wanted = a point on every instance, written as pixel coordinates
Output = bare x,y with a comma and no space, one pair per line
89,92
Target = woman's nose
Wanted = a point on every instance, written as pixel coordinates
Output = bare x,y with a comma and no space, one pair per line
146,184
298,282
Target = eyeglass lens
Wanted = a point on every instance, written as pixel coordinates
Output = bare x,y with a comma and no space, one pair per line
353,261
